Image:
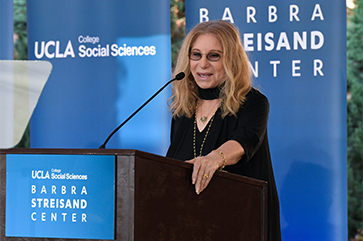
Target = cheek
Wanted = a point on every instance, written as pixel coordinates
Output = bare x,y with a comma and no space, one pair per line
192,67
220,70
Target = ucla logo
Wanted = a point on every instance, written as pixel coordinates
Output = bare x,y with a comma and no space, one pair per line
39,174
53,49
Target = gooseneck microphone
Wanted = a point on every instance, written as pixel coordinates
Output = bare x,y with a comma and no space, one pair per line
178,77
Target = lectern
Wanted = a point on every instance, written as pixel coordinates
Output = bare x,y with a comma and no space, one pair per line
154,199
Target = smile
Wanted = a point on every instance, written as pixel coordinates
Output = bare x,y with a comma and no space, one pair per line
204,75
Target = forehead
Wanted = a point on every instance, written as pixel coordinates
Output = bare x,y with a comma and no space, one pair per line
207,42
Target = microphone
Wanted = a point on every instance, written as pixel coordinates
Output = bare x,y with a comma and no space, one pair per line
178,77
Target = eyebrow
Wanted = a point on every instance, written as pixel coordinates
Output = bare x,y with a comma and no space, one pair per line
213,50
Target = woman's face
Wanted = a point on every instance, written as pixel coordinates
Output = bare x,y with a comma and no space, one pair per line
207,73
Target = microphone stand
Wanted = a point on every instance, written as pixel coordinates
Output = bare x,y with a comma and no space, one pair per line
177,77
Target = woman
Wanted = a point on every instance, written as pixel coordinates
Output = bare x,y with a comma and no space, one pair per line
219,120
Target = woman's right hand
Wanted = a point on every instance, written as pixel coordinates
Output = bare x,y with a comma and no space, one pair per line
204,169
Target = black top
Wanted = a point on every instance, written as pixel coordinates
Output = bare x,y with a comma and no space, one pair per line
249,128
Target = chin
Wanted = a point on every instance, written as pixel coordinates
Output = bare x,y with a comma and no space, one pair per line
204,86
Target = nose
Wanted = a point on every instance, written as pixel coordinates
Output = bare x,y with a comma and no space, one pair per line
204,62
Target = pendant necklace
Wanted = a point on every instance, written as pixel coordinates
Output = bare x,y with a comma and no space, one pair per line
205,117
195,131
208,94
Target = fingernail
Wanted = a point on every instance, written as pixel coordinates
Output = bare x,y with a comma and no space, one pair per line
193,181
197,191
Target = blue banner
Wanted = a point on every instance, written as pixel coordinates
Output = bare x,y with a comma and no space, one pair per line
6,30
60,196
108,58
297,54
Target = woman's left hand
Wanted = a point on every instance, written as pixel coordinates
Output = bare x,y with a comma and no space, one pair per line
203,170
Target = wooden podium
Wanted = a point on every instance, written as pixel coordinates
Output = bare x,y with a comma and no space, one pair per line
155,200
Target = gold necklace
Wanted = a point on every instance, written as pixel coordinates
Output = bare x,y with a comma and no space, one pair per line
205,136
205,117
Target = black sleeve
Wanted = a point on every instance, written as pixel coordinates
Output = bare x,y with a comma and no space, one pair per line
252,124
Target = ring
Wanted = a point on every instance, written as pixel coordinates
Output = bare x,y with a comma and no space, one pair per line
206,175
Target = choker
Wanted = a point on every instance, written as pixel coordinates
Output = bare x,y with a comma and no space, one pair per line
209,94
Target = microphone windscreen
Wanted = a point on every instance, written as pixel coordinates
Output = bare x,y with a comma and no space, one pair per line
180,76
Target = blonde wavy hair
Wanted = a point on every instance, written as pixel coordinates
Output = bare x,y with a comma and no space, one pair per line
234,85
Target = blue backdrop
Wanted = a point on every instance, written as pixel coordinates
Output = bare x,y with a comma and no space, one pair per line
6,30
297,52
108,58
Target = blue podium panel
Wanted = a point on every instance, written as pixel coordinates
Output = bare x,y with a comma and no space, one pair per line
60,196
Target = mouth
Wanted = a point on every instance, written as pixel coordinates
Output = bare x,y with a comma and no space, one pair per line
202,75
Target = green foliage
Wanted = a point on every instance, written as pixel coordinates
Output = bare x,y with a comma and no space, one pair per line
355,117
20,30
177,21
21,49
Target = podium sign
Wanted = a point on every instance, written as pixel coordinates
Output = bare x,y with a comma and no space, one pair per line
60,196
